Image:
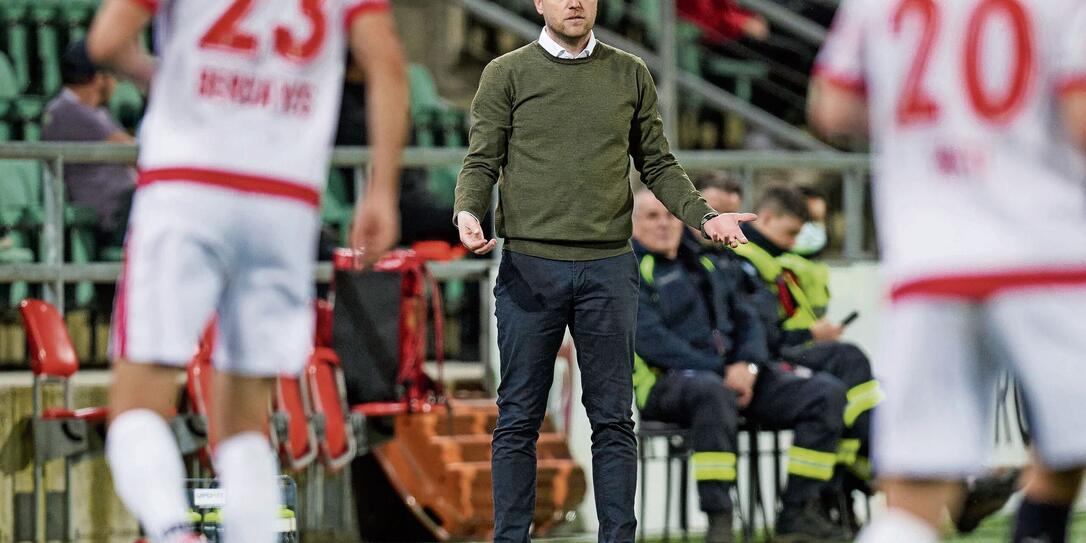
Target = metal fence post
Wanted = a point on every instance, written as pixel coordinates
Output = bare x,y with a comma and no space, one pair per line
668,68
746,180
52,240
359,181
854,213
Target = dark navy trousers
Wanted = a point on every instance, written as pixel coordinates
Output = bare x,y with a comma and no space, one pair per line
536,299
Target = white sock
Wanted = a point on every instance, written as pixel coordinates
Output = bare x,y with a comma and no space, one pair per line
148,474
248,473
897,526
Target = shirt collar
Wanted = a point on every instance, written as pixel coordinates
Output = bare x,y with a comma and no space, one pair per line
558,51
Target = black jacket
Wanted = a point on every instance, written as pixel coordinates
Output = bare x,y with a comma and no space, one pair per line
691,318
757,294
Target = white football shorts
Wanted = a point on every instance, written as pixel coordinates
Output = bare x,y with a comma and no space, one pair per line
193,252
943,359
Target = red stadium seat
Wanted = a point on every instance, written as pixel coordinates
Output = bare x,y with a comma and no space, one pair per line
198,390
324,380
89,414
295,436
52,354
59,432
323,335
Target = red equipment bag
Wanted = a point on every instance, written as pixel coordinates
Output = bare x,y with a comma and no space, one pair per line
379,328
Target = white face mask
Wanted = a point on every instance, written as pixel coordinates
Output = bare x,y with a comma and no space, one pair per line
811,239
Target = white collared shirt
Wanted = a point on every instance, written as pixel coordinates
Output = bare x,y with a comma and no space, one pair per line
558,51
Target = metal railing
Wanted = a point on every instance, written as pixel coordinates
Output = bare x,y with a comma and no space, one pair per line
54,273
779,15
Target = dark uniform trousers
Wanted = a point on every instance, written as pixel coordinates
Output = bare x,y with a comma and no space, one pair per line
851,366
536,299
811,407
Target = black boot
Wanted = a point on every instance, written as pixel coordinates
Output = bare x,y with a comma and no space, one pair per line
985,496
720,528
807,523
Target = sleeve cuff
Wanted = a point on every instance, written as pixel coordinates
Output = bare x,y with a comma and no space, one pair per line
359,9
698,215
457,214
150,5
1071,83
848,83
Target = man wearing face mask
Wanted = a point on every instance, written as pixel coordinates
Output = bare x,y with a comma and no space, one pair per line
804,260
701,352
796,333
983,495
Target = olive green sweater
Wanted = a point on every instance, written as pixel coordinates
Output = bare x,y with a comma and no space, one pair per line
557,135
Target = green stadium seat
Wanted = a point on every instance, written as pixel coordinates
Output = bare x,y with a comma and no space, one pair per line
12,103
422,125
611,12
14,249
81,251
14,252
648,13
430,113
126,104
76,15
111,254
337,209
20,194
48,48
424,95
17,46
20,213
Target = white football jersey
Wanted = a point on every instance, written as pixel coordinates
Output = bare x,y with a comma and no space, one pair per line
247,93
975,181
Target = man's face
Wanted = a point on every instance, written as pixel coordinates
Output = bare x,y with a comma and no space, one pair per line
655,227
570,20
722,200
781,229
816,207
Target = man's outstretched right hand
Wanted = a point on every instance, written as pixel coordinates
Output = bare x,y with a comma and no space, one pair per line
471,234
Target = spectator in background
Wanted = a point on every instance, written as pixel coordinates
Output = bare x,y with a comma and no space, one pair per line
804,258
813,237
723,20
797,333
722,192
79,113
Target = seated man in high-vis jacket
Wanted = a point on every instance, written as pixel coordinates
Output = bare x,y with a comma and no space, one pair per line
702,360
795,331
791,293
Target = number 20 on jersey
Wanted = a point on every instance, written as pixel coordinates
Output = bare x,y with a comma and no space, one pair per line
916,106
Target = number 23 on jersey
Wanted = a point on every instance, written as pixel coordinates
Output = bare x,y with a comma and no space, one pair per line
227,34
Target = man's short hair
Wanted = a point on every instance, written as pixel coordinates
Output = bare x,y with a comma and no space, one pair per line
76,67
810,192
784,200
718,180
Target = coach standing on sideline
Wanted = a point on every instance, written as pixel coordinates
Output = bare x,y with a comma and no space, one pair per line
558,120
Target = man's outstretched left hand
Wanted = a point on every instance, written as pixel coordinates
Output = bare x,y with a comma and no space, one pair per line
724,228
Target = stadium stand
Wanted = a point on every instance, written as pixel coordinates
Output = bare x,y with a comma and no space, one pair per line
293,425
439,461
63,432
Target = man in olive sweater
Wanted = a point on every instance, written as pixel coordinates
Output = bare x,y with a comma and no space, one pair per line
555,123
